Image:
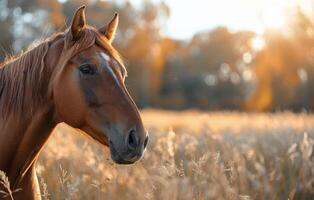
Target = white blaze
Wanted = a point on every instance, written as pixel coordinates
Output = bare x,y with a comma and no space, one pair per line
105,56
107,59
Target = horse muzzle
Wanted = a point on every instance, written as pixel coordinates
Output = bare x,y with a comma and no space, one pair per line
133,150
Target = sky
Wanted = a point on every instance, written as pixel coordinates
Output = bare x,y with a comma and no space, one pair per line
191,16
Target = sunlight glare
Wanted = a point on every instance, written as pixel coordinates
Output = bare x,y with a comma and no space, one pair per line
274,18
253,15
258,43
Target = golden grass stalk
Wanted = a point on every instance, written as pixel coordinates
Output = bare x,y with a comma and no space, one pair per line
4,181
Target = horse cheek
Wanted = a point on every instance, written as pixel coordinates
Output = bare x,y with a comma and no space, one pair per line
69,102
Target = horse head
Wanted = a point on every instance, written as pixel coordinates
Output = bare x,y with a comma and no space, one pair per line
89,91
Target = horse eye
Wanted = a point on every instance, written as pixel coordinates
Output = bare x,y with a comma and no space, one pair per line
87,69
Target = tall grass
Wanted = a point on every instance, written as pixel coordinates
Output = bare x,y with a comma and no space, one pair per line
5,187
191,155
4,182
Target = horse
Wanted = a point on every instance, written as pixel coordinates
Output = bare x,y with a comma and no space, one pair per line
75,77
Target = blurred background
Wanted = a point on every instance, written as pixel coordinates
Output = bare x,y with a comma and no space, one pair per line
228,55
244,56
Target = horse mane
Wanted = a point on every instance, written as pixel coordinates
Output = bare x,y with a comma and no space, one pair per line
25,79
19,77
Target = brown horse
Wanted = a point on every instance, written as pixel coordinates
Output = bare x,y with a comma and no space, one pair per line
75,77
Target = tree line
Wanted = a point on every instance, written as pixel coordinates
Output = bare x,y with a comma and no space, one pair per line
215,69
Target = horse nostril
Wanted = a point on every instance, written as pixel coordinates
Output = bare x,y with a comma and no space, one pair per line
132,140
146,141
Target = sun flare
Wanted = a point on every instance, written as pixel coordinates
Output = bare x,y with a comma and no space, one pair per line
258,43
274,18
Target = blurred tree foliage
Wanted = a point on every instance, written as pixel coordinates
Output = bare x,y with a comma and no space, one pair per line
217,69
285,68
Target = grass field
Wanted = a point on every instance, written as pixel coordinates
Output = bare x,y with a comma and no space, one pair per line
191,155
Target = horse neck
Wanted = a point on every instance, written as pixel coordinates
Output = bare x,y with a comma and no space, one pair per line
22,138
29,136
24,133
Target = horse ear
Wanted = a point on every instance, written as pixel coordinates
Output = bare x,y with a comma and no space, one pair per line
109,30
78,22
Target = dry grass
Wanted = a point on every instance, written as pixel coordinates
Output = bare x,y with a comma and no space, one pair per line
5,189
192,155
